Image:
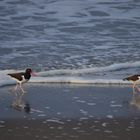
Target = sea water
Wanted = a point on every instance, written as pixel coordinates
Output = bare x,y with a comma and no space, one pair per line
77,41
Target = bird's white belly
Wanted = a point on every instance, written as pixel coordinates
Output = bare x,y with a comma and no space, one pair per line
22,81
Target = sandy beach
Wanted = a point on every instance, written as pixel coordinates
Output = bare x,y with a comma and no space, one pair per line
69,112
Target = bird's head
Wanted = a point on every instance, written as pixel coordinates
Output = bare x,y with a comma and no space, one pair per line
28,70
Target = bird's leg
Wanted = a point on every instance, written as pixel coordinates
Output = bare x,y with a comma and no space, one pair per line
23,91
136,87
134,84
15,89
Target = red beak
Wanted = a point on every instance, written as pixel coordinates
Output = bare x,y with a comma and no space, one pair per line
33,74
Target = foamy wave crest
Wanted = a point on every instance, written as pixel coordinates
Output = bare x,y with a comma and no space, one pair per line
6,80
112,67
77,80
69,76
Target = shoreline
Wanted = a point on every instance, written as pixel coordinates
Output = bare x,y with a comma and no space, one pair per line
66,111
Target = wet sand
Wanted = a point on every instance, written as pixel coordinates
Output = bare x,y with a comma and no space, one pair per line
70,112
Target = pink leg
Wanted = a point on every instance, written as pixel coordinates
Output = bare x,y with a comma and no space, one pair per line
134,86
15,89
23,91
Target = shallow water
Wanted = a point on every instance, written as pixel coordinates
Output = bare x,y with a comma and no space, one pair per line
70,112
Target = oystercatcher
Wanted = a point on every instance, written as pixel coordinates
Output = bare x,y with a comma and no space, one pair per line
21,77
134,79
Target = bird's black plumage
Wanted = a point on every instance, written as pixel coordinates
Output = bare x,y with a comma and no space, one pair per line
132,78
21,77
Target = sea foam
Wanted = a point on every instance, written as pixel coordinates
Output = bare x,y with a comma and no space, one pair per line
71,75
113,67
6,80
76,80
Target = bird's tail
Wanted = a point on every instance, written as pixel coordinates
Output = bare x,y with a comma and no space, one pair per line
124,79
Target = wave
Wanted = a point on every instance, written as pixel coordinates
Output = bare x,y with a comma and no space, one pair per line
5,81
4,78
77,80
112,67
69,76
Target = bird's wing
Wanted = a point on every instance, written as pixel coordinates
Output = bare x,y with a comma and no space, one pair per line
17,75
132,78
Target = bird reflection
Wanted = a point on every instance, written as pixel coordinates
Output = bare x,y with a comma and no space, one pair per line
135,101
20,105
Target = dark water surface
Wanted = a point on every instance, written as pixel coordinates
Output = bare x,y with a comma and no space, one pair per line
70,112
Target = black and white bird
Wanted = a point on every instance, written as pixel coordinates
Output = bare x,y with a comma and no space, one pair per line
135,79
21,77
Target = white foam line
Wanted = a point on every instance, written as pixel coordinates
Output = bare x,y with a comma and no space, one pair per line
63,78
76,80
